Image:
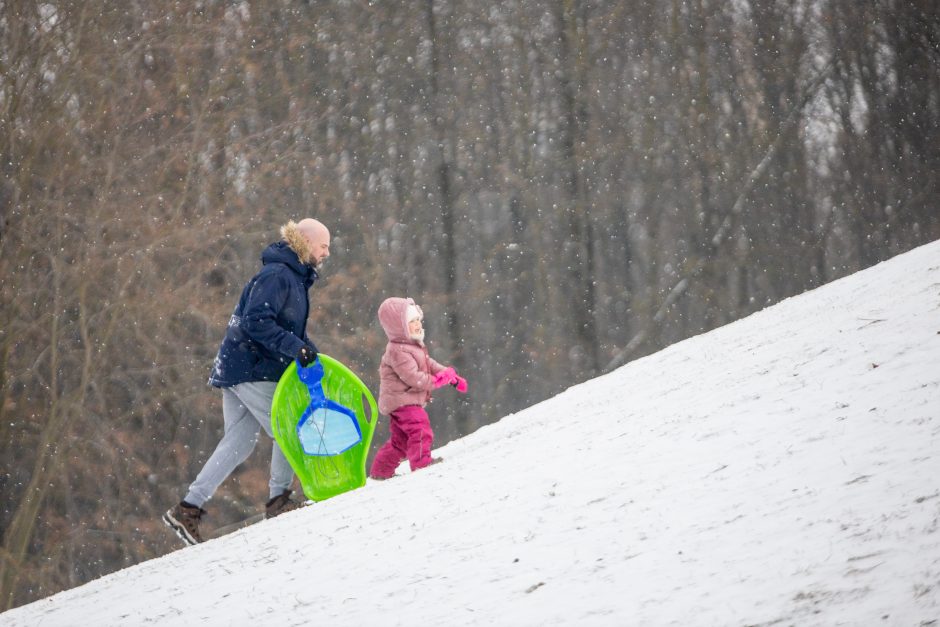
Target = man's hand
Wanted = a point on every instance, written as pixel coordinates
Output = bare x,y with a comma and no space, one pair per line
307,354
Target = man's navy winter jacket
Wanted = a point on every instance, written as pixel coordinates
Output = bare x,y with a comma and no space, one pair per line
268,327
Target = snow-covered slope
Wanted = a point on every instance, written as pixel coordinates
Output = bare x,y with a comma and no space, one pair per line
784,469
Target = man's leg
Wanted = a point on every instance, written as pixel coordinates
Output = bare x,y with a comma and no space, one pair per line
239,439
257,396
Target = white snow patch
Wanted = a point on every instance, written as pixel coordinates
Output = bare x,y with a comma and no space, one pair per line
784,469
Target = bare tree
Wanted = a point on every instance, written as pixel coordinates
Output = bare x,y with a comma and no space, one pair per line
564,183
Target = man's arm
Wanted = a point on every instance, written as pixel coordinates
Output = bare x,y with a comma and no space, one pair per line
259,318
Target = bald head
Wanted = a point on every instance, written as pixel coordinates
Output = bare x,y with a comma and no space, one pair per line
317,237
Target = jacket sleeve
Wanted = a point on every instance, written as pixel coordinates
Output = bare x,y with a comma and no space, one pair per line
435,366
406,367
265,300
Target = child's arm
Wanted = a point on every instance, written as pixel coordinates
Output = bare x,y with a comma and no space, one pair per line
435,366
407,370
458,382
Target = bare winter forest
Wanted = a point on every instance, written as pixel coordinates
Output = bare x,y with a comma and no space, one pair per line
563,185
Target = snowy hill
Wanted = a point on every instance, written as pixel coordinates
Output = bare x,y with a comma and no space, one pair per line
784,469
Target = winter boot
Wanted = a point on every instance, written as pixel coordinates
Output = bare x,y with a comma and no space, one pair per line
280,504
184,520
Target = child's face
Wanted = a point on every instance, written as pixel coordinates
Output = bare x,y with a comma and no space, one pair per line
414,326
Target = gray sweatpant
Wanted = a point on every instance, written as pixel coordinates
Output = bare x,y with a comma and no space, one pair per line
246,407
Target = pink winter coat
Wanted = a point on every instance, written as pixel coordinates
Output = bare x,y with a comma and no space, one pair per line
406,370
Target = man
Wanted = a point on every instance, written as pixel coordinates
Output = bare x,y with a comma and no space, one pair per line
266,332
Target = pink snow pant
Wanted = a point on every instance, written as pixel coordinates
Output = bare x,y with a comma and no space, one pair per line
411,437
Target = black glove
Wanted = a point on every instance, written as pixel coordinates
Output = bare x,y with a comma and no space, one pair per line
307,354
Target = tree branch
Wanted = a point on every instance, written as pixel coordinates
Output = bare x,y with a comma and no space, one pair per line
727,224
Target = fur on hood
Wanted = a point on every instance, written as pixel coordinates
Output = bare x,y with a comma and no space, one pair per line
296,241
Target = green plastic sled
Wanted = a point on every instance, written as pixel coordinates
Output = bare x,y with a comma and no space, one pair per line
324,476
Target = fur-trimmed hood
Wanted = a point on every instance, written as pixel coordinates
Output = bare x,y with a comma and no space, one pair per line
282,253
291,234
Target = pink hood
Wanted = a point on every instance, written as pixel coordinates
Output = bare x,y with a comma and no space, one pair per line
392,316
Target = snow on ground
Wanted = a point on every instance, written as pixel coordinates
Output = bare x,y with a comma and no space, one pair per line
781,470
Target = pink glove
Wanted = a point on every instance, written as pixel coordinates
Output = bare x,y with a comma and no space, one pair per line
460,383
444,377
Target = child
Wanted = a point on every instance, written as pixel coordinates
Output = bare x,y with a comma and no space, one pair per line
407,375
